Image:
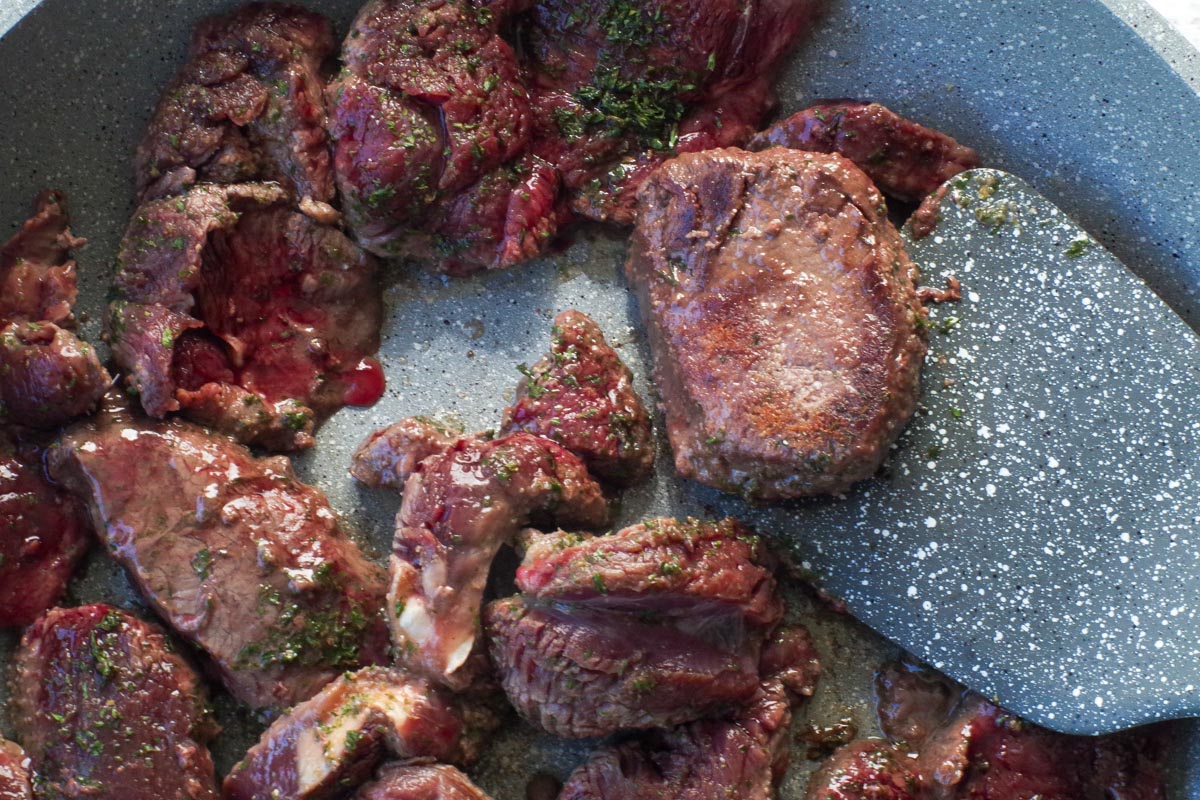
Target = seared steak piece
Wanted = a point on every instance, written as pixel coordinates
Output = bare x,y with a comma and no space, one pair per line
659,624
966,747
460,507
783,318
581,395
387,457
247,106
420,782
106,709
429,106
47,375
743,756
241,558
905,159
14,773
620,86
336,739
868,768
247,316
42,536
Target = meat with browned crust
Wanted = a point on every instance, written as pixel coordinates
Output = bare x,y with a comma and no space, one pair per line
42,536
107,710
783,318
247,106
581,395
246,315
420,782
905,159
743,755
659,624
334,740
241,558
14,773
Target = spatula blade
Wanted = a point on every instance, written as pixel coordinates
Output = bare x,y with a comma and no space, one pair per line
1035,533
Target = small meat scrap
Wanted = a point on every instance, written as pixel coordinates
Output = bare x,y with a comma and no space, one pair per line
335,740
742,755
657,625
906,160
245,315
106,709
247,106
430,124
42,536
581,395
14,773
459,508
401,781
241,558
387,457
783,318
48,376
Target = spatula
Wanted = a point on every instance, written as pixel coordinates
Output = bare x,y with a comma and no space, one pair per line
1035,534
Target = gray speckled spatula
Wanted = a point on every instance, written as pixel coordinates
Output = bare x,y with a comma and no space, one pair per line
1036,532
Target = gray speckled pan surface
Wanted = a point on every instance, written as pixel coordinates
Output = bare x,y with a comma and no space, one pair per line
1065,95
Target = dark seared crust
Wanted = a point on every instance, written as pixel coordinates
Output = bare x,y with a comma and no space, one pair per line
247,106
248,316
581,395
336,739
782,314
241,558
106,709
420,782
42,536
905,159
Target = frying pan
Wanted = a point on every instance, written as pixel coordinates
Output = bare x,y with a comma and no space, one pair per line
1068,96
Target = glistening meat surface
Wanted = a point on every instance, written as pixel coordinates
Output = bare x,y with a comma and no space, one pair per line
241,558
14,773
783,318
420,782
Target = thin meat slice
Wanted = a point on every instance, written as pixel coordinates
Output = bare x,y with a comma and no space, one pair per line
783,318
420,782
247,316
42,536
660,624
247,106
581,395
106,709
905,159
459,508
241,558
48,376
14,773
743,755
336,739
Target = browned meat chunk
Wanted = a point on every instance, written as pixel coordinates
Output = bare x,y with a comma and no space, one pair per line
620,86
47,375
42,536
107,710
955,744
783,318
247,106
420,782
906,160
14,773
246,315
869,768
241,558
742,756
429,106
659,624
460,507
337,738
581,395
390,455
